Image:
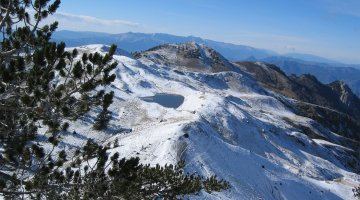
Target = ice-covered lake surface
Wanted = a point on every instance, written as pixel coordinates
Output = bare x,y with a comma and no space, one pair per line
165,100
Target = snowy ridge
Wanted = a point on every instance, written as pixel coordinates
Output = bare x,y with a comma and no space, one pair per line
191,56
228,126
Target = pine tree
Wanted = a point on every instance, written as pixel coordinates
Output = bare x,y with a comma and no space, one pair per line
356,191
102,120
42,83
126,179
104,116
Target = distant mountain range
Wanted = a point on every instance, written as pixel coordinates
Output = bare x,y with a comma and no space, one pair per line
325,70
132,42
142,41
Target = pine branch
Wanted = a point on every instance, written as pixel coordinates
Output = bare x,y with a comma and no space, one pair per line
7,14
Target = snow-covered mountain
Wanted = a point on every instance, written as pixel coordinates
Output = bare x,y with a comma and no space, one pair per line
225,124
333,105
325,70
197,57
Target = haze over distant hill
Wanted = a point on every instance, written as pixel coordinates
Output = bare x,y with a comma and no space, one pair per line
325,70
143,41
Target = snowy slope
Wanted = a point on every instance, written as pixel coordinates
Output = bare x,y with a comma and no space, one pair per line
228,125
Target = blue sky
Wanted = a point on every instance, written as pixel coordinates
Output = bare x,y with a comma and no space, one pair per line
328,28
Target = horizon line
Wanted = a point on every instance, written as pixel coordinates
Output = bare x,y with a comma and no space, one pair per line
331,60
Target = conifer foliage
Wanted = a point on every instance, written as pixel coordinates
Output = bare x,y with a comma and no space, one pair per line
356,191
105,115
125,179
43,85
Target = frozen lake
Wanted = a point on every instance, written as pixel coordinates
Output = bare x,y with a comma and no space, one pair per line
165,99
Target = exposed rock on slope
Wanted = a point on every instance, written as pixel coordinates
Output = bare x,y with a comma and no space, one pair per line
346,95
324,72
333,105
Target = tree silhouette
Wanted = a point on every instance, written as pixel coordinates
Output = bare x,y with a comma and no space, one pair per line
42,84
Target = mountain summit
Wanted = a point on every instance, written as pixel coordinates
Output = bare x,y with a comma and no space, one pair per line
192,56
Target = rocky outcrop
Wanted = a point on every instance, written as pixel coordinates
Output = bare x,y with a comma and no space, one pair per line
334,105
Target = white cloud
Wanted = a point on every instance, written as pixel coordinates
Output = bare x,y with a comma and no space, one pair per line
93,20
69,21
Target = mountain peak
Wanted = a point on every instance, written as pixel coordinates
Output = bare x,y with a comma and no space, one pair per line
192,56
